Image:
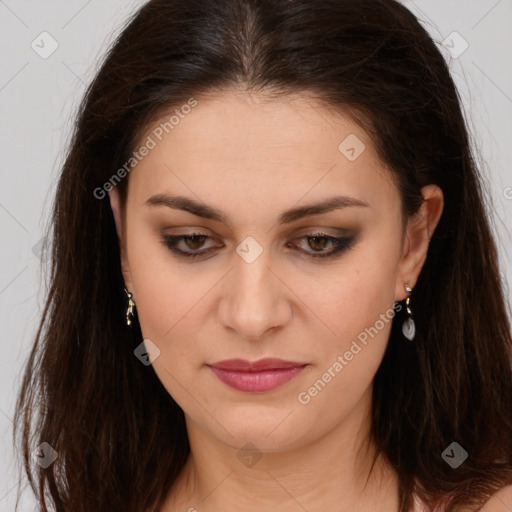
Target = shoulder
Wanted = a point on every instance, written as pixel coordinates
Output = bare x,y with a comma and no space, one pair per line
500,501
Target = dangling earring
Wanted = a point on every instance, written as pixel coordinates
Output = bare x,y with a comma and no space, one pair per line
129,310
409,327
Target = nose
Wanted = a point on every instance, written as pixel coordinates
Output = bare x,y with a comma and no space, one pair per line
255,299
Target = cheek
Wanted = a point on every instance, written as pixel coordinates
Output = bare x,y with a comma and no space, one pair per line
162,295
352,296
171,311
167,308
361,314
360,310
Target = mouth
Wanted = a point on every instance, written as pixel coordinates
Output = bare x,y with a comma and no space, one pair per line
257,376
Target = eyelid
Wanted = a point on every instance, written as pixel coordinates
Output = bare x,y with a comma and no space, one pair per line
332,232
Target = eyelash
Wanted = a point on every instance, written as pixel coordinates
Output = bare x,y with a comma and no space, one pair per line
340,243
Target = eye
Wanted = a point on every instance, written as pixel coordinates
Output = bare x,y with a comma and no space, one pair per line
192,241
318,242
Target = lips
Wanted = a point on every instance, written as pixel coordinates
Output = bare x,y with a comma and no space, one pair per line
241,365
256,376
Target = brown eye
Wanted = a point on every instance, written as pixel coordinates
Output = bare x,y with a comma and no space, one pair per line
191,244
195,241
319,242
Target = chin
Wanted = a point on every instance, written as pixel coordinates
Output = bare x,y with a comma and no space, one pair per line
272,432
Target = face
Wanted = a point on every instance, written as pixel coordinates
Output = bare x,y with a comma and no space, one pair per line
241,269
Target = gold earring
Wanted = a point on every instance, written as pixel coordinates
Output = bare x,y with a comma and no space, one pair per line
409,327
129,310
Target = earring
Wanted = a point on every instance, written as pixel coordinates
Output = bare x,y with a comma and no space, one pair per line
129,310
409,327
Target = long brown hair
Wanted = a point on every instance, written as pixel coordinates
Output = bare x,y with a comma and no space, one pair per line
120,438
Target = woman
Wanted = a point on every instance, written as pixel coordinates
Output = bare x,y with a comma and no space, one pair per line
274,286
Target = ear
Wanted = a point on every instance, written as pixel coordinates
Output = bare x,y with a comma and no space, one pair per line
420,229
115,204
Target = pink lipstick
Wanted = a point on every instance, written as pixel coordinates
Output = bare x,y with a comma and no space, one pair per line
257,376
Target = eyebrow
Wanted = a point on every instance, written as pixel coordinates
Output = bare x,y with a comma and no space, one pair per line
294,214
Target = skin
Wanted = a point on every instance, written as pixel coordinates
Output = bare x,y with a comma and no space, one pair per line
252,159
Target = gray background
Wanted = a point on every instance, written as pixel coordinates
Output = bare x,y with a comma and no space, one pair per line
39,95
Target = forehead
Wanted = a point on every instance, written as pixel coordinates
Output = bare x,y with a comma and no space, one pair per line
239,143
229,122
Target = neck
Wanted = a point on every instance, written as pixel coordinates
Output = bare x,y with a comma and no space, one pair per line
336,468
